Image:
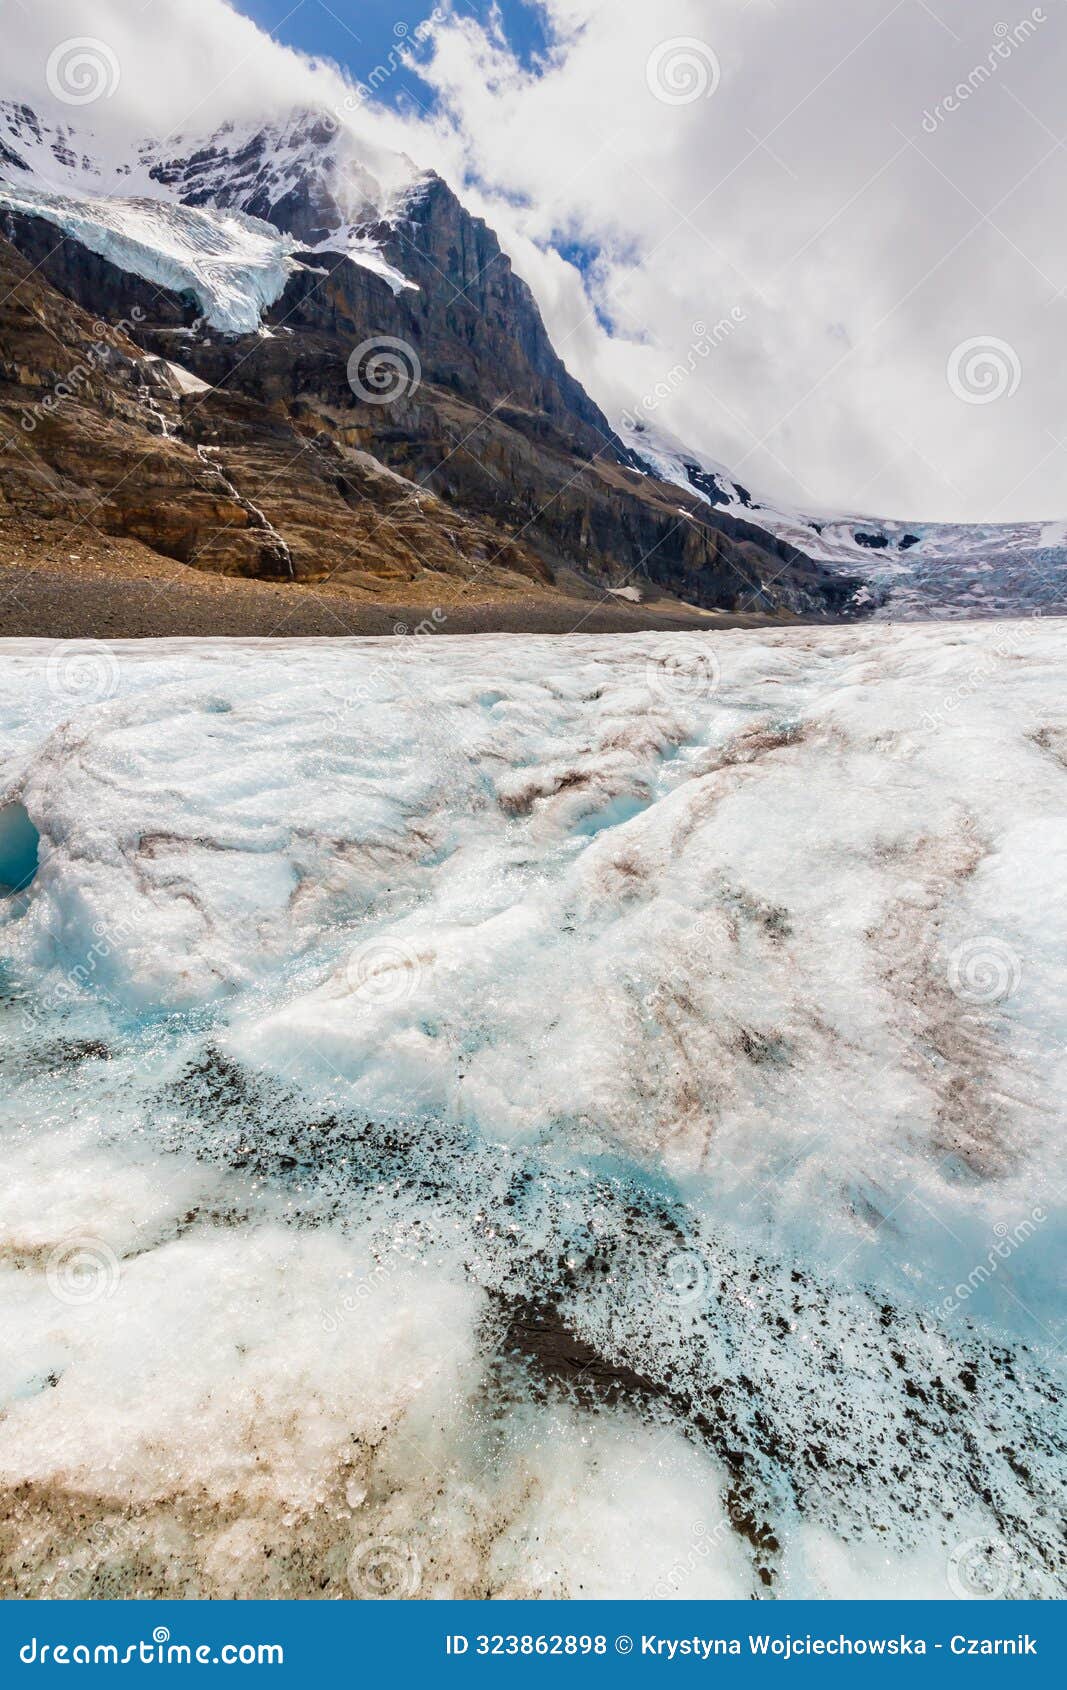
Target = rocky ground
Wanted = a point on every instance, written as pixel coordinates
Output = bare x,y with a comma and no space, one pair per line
64,584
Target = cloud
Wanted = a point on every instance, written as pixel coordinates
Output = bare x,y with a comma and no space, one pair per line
185,67
872,184
859,187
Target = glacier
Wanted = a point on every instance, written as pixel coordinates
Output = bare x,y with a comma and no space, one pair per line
536,1116
232,264
914,570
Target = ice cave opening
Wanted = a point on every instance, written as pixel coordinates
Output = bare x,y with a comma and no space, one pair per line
19,842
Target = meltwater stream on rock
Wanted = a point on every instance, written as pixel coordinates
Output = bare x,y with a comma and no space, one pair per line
525,1116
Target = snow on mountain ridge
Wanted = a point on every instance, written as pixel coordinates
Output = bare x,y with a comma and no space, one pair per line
221,216
238,203
923,568
307,171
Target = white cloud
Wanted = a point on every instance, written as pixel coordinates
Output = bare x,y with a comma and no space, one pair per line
824,189
862,244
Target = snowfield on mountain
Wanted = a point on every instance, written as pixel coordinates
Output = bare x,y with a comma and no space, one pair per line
915,570
232,264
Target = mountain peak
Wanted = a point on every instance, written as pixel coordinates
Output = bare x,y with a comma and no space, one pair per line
305,172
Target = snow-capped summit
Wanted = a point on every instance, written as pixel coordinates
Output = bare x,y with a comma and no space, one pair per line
215,217
307,173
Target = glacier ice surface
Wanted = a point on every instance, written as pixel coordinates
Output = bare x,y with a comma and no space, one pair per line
553,1116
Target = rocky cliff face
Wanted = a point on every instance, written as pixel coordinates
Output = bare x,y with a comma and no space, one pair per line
457,409
112,440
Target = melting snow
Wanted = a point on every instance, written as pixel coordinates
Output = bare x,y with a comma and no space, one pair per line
701,992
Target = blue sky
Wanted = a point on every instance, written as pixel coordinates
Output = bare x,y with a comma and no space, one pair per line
358,34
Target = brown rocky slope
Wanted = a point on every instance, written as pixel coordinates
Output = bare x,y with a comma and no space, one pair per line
490,478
